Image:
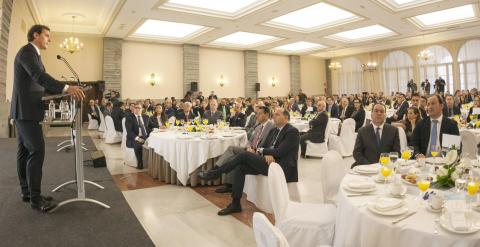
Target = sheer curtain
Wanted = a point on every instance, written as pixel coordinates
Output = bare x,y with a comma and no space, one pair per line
350,76
397,70
469,63
439,65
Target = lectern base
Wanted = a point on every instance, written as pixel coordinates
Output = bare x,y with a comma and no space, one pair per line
78,200
75,181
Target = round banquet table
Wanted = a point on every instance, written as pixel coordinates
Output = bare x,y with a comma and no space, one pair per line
303,126
185,156
356,226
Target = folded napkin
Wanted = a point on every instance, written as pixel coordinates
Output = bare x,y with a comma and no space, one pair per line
360,184
456,210
367,168
387,204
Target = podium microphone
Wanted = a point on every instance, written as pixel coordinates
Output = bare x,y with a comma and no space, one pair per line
70,68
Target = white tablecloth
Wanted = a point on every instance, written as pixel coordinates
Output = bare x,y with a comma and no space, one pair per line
356,226
476,132
186,155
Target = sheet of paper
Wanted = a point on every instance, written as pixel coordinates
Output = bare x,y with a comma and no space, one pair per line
476,110
449,140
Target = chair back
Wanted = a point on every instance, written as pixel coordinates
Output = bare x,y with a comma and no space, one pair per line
266,234
347,135
403,138
332,172
469,144
278,190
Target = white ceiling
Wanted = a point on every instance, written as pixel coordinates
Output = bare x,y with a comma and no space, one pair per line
120,18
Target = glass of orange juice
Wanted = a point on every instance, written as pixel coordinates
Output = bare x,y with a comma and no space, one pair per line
386,171
384,159
423,184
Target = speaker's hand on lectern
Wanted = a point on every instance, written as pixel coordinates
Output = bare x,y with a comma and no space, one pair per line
76,92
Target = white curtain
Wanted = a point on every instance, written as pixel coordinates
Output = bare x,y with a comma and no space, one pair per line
397,70
350,77
469,63
440,65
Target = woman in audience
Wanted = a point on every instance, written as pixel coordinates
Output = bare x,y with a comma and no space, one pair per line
358,114
475,108
158,119
413,117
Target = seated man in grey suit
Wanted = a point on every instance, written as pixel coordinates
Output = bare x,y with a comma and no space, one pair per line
213,115
316,134
375,138
258,138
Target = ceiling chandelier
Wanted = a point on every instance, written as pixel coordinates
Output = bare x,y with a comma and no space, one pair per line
425,54
370,66
335,65
71,44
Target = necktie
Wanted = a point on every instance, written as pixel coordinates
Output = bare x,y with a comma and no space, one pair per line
255,140
433,134
159,121
377,135
142,128
273,140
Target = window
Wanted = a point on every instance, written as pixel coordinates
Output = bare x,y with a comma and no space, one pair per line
349,79
469,62
397,70
440,65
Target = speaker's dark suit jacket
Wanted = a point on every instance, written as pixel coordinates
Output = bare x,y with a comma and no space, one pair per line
421,133
30,83
285,150
367,151
132,128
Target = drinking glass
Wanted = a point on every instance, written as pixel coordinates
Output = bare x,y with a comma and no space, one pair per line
384,158
472,189
393,157
434,151
423,184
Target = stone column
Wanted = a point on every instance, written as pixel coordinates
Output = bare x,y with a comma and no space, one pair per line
295,79
250,59
5,15
112,64
191,66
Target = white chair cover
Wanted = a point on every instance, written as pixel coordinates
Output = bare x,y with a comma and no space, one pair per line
92,123
319,149
102,121
469,144
129,157
344,143
403,138
332,172
111,135
267,235
302,224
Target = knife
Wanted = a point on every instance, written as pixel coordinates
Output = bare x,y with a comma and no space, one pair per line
404,217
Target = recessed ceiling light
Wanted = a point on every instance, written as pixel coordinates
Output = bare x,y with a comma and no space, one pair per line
220,8
155,29
313,18
298,47
398,5
446,17
363,34
244,39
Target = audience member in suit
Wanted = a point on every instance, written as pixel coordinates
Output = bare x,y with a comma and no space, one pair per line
213,115
200,97
249,110
224,108
130,109
358,114
137,132
413,117
449,108
239,119
197,108
332,108
476,104
401,109
93,110
439,85
99,105
316,134
108,109
308,108
428,132
422,106
169,109
186,114
148,107
158,120
256,140
345,109
212,95
118,113
281,147
30,81
375,138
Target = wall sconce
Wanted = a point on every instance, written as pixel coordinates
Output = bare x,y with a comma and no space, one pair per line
273,81
370,66
152,79
221,81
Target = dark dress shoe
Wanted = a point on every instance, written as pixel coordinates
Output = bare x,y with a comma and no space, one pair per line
209,175
26,198
42,205
224,189
230,209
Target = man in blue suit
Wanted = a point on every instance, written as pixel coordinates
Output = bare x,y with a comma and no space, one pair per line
30,82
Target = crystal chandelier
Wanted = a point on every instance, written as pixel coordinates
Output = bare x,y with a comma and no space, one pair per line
370,66
335,66
425,54
72,44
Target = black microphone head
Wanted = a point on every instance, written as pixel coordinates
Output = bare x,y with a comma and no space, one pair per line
59,57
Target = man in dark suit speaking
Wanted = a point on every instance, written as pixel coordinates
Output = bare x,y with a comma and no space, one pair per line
30,83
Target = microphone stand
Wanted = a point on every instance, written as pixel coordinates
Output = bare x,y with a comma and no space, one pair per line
77,140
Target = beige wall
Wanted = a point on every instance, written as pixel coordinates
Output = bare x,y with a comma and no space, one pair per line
269,66
139,60
313,75
21,21
216,62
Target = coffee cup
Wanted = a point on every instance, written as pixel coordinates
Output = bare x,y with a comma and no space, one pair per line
397,189
436,201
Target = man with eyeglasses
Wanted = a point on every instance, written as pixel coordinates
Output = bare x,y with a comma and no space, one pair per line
375,138
137,131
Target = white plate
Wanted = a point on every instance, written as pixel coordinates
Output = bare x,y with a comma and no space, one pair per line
358,170
380,179
433,160
359,190
394,212
445,223
430,209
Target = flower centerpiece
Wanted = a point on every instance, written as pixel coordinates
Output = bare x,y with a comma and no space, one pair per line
451,171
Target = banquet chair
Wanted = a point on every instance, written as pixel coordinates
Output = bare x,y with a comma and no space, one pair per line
332,172
111,135
344,143
102,121
267,235
403,138
319,149
129,157
469,144
92,123
256,189
302,224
